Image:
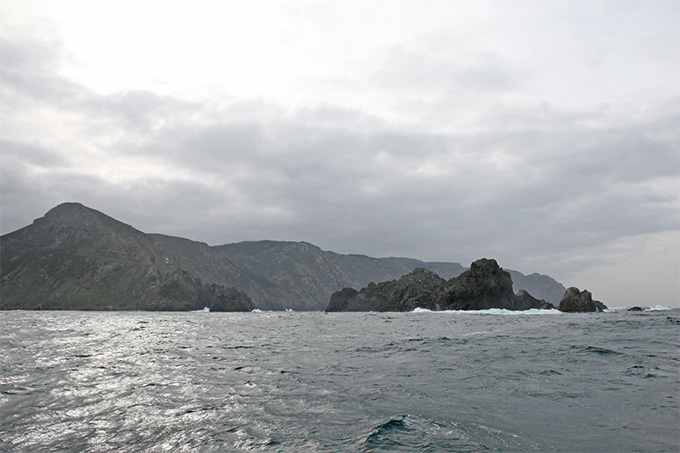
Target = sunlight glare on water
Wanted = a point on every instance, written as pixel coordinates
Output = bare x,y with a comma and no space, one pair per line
542,381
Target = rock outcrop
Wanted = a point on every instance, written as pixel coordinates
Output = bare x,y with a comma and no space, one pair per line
78,258
485,285
525,301
405,294
576,301
540,286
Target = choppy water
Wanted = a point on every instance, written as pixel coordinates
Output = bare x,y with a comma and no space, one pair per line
137,381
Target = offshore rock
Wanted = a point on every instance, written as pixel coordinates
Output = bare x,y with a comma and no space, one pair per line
599,305
525,301
636,308
485,285
576,301
405,294
540,286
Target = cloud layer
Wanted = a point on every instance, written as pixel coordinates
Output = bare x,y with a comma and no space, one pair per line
438,146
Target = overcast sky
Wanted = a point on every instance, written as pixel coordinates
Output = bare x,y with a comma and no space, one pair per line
545,134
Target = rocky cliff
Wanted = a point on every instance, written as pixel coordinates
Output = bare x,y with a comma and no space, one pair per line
300,275
77,257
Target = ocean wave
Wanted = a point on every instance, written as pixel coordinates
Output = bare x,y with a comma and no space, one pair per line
660,308
411,433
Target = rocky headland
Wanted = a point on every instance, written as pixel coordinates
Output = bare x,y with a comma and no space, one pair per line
75,257
78,258
485,285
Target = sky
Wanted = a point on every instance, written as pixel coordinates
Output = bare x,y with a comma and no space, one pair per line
544,134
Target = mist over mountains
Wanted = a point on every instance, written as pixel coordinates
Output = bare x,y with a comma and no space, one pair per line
78,258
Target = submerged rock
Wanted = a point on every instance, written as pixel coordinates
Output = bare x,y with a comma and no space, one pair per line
576,301
635,308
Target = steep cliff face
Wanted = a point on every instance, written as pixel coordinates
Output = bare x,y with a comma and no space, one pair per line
78,258
300,275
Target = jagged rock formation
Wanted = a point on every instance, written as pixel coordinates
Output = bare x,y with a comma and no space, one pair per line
485,285
525,301
79,258
576,301
443,269
410,291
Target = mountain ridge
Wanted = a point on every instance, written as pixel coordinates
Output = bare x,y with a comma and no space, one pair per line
78,257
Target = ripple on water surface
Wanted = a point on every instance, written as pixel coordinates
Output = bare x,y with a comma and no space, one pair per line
338,382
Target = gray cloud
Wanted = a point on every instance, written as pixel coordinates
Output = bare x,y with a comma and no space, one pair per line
533,184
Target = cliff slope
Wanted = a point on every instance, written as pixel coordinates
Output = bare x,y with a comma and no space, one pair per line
78,258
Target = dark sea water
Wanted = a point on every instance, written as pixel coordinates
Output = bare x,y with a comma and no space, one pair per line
423,381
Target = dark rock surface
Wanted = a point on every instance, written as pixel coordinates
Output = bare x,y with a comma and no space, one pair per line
410,291
485,285
525,301
599,305
635,308
540,286
576,301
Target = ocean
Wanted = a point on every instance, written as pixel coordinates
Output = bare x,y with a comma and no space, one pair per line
296,382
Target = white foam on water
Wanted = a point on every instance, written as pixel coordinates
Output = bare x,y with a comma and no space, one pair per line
493,311
658,308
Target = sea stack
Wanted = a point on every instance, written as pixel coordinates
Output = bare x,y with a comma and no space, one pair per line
576,301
